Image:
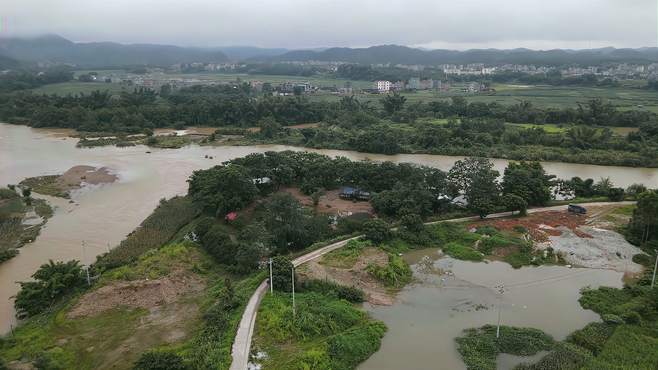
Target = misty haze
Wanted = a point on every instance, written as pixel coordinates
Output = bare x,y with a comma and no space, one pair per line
328,185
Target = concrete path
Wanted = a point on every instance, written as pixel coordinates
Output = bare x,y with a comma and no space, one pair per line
242,342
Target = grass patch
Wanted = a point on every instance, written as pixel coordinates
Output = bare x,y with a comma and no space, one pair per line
480,347
630,347
326,333
157,229
346,256
46,185
462,252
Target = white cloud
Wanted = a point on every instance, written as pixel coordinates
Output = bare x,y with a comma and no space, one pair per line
314,23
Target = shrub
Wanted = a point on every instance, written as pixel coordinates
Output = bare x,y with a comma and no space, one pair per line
616,194
592,337
396,273
160,360
644,259
51,282
480,347
218,244
281,274
349,349
565,356
461,252
330,288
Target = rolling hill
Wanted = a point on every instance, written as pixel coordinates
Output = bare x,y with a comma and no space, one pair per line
56,49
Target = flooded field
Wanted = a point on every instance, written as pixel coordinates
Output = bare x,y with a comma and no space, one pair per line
451,295
102,215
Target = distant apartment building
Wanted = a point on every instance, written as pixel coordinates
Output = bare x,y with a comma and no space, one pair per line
383,86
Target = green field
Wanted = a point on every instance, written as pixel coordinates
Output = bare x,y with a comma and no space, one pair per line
540,96
626,96
548,127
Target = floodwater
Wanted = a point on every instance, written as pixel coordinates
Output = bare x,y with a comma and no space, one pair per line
101,216
451,295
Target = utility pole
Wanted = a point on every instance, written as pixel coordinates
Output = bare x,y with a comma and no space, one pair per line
293,290
501,290
271,282
655,267
86,268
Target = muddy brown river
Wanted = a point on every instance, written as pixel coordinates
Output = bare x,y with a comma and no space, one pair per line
102,215
451,295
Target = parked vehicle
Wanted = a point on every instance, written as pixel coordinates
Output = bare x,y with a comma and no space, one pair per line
574,208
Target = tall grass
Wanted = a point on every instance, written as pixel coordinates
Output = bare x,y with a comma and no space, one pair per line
157,229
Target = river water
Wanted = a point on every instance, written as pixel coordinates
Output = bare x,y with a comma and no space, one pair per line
432,311
102,216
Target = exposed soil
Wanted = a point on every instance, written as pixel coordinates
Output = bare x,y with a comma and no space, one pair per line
147,294
77,176
356,276
582,240
540,226
330,202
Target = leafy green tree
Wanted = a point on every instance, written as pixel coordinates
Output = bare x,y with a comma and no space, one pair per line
248,256
289,224
52,281
616,194
282,274
160,360
529,181
377,230
513,202
643,225
222,189
412,222
269,128
476,179
218,244
393,103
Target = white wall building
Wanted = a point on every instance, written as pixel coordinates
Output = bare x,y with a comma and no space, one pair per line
383,86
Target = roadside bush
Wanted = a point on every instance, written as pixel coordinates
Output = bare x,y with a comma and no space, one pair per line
351,224
52,281
160,360
332,289
281,274
616,194
377,230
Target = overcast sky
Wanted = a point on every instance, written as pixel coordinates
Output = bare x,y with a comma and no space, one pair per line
454,24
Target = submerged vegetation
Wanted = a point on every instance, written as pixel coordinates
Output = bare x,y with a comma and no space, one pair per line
17,211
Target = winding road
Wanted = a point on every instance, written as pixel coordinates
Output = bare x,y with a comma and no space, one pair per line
242,342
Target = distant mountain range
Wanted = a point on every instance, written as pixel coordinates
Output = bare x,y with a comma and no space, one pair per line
396,54
56,49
